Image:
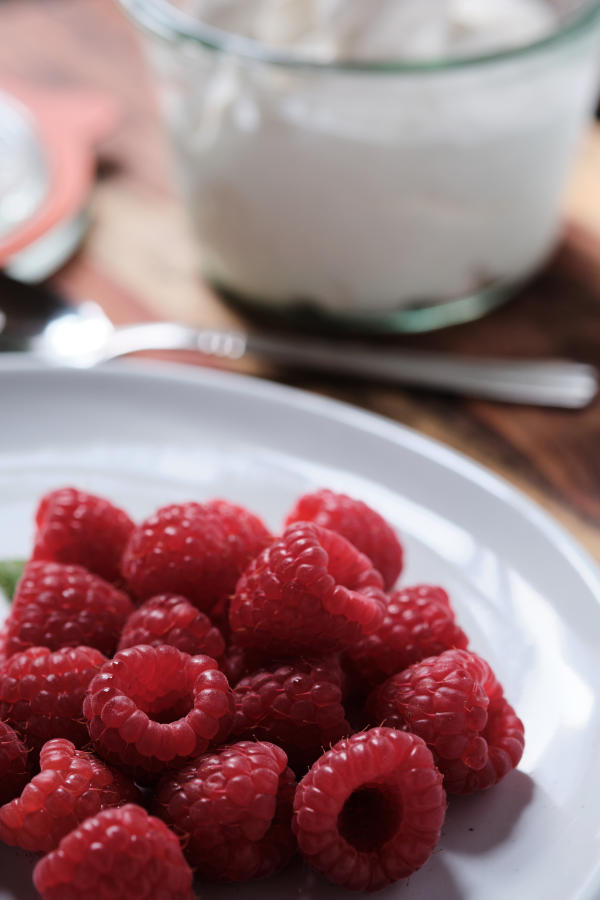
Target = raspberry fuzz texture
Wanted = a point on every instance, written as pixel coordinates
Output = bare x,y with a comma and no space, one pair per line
80,528
116,855
14,764
418,622
170,619
370,810
358,523
41,693
455,704
197,550
310,592
232,810
297,706
151,708
57,605
71,786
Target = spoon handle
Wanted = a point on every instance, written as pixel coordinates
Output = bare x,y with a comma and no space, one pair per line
559,383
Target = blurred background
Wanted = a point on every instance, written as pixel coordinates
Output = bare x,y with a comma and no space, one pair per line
185,162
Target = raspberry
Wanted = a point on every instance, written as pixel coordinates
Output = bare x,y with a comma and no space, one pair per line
359,524
14,765
418,622
297,706
71,786
3,637
154,707
193,549
246,533
76,527
309,592
219,616
41,693
56,605
455,704
232,810
370,810
170,619
235,664
117,855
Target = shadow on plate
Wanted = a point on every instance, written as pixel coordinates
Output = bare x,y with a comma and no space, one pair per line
300,882
16,869
478,822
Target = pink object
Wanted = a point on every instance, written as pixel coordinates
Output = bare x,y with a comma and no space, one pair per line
68,123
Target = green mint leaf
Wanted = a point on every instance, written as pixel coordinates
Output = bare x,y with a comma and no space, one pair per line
10,572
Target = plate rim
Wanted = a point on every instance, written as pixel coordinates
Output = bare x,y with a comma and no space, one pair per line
432,448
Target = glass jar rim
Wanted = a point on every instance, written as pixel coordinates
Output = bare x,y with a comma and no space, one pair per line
162,19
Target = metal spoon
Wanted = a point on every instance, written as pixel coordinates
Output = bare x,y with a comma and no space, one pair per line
35,319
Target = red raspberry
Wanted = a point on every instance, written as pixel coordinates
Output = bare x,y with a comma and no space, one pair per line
154,707
193,549
232,810
41,693
56,606
14,765
235,664
310,592
246,533
118,854
76,527
71,786
219,616
297,706
359,524
418,622
370,810
3,636
170,619
455,704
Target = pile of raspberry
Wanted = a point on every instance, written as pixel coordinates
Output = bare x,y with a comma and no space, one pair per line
193,698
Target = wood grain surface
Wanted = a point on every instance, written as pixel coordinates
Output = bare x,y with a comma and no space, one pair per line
138,261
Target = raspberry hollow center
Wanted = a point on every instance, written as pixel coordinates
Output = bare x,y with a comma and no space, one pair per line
169,709
369,818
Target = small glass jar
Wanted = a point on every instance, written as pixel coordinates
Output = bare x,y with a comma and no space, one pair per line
380,196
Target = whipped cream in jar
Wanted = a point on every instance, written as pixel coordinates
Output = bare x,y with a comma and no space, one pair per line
392,164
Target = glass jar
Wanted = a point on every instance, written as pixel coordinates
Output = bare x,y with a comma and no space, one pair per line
380,196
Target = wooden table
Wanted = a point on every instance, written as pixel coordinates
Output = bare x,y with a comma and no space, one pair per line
138,262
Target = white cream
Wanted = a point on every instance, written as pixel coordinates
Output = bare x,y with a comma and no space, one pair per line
382,29
374,192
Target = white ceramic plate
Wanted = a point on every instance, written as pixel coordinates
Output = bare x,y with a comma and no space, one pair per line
526,594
